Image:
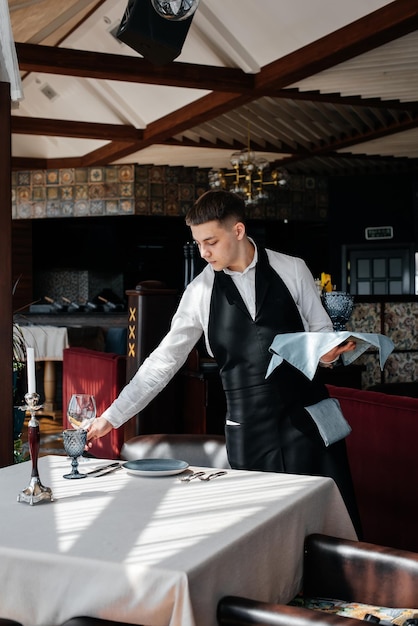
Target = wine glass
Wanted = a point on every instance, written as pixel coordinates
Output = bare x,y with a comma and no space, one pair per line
81,413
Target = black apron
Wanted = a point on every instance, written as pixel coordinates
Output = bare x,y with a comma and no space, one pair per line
272,431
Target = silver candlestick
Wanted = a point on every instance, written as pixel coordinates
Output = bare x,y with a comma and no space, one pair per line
35,492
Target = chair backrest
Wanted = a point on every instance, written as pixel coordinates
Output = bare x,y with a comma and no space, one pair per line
200,450
102,374
351,571
360,572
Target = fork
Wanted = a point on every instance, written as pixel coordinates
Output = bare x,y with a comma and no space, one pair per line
213,475
189,477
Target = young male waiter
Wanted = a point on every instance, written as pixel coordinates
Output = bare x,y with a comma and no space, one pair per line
243,298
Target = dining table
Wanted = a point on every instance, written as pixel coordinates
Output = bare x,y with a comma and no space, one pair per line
151,549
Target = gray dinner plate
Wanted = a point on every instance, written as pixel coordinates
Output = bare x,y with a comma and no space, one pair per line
155,467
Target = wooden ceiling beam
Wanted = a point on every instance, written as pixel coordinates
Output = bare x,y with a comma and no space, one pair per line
157,132
119,132
392,21
81,130
99,65
29,163
326,150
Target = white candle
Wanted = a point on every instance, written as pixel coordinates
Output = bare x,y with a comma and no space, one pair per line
30,366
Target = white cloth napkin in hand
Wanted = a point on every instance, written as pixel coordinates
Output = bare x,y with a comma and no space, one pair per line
303,350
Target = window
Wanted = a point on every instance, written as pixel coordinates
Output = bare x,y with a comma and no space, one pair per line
372,271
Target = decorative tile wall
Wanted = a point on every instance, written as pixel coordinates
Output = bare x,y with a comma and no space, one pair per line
147,190
73,192
397,320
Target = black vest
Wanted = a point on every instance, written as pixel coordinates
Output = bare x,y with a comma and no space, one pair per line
261,408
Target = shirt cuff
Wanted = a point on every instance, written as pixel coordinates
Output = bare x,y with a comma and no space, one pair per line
329,364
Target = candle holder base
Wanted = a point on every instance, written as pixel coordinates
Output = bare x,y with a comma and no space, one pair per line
35,492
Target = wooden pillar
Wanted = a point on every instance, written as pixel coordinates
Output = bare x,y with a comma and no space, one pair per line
6,313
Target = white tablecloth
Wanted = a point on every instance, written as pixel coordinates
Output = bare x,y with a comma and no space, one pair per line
49,342
155,551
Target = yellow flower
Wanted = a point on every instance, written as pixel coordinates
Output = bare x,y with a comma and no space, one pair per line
326,282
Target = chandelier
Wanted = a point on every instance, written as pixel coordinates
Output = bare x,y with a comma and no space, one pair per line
250,176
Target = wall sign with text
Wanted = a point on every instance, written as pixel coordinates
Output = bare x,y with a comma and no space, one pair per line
379,232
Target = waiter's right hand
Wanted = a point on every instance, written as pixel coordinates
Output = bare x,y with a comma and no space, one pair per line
99,428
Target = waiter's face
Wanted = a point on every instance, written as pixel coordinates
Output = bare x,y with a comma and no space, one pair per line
220,244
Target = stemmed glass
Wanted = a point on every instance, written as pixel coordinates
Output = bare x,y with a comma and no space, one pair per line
81,413
74,443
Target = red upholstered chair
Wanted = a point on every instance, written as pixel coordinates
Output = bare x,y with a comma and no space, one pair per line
352,571
381,452
102,374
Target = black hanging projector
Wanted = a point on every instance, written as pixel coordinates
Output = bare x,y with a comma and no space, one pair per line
157,39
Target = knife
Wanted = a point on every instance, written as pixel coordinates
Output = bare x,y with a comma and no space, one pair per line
108,471
102,469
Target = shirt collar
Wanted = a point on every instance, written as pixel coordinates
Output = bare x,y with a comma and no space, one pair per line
249,267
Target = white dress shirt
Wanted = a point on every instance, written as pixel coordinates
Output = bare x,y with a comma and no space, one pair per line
191,320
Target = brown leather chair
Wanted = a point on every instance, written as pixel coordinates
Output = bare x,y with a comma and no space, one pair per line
200,450
335,568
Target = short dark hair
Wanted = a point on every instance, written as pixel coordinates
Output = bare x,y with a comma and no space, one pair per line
217,205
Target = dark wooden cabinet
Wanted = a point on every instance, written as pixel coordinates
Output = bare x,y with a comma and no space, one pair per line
150,309
204,404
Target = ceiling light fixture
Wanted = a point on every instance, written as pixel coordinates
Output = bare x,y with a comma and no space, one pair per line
249,177
175,10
